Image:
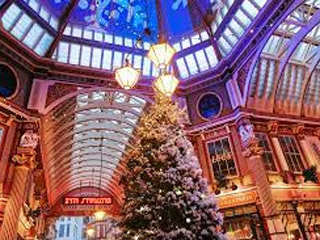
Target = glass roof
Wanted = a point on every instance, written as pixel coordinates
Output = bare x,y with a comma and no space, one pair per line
101,33
289,66
86,137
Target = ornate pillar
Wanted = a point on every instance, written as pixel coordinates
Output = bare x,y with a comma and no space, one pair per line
24,161
252,152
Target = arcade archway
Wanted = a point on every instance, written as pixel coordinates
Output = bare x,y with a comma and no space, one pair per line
85,138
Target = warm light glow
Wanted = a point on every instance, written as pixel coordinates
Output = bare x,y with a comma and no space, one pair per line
99,216
127,76
166,84
90,232
161,54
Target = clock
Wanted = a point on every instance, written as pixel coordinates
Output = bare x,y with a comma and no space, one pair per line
209,105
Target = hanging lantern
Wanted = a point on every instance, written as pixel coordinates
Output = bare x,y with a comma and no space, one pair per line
90,231
127,76
99,215
166,84
161,54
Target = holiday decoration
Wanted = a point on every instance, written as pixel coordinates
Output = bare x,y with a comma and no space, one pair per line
310,174
166,196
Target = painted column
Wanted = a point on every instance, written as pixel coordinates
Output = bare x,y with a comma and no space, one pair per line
252,153
6,172
24,161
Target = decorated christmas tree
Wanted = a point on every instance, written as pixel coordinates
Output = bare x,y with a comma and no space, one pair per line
166,197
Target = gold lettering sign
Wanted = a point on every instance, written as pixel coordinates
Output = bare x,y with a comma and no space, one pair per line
237,199
88,201
221,157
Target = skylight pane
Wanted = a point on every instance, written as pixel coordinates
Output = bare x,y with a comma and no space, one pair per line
224,45
10,16
44,14
54,22
98,36
202,60
211,56
74,54
117,59
243,18
67,31
204,36
108,38
118,40
195,39
192,65
137,61
261,3
128,42
250,8
231,36
33,35
177,46
182,68
63,52
44,44
34,5
77,31
21,26
87,34
186,43
85,56
96,57
146,66
107,57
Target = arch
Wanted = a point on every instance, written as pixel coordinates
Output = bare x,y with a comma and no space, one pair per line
93,89
294,42
262,45
72,129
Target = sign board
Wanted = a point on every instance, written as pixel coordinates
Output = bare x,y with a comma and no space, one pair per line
88,201
237,199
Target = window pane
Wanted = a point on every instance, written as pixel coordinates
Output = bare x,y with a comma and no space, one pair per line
221,158
291,153
267,155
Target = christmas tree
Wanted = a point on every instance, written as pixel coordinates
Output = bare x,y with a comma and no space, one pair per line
166,197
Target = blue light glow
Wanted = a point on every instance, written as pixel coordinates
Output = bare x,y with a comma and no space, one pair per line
130,18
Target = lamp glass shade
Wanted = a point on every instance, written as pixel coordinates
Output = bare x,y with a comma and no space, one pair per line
127,76
90,231
99,215
161,54
166,84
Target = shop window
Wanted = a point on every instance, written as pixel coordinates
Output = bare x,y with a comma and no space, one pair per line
68,230
291,152
267,155
222,159
8,81
61,230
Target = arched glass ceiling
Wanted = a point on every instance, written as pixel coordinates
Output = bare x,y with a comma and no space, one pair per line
94,40
288,69
85,139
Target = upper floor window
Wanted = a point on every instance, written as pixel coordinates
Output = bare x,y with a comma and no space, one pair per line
267,156
221,157
291,152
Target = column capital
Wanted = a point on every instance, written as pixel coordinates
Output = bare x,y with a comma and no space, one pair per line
298,130
25,157
252,148
273,127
